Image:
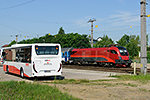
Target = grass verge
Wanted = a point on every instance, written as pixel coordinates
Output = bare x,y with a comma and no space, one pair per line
31,91
142,78
71,81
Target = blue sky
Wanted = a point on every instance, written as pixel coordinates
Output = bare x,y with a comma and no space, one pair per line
35,18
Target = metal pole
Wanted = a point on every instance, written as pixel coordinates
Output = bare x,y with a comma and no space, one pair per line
16,38
92,34
134,68
143,38
92,20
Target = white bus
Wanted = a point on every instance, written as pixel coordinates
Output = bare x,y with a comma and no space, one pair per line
32,60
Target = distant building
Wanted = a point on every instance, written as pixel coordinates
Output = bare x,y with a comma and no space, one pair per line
99,38
94,40
5,45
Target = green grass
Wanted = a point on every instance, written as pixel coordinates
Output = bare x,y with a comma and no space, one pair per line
71,81
142,78
128,84
30,91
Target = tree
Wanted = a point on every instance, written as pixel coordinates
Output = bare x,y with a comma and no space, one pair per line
61,31
132,48
65,40
73,40
124,40
13,42
131,43
105,42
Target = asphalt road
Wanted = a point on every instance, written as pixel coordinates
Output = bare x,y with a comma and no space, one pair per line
8,77
88,74
66,73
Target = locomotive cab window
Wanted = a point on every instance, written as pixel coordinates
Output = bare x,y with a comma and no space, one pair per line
113,51
123,51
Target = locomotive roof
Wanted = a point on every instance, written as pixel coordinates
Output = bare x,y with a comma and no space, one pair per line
99,48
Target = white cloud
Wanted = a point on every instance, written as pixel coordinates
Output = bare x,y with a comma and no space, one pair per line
121,18
117,24
121,2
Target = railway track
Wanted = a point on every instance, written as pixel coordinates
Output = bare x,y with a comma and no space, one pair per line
107,69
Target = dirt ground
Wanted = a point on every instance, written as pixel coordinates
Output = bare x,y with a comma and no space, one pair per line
108,90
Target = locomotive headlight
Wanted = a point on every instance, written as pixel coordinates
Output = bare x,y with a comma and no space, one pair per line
120,57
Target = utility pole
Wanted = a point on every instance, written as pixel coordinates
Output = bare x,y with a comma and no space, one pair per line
143,38
16,38
92,20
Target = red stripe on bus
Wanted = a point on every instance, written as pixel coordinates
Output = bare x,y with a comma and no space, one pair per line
13,69
4,68
26,75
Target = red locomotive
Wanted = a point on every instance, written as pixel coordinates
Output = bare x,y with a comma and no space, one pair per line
111,56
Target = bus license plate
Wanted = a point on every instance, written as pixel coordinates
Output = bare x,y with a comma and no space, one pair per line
46,71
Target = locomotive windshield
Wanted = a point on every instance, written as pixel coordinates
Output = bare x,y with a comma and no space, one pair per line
123,51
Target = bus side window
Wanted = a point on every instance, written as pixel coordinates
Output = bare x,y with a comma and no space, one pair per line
29,57
3,54
17,57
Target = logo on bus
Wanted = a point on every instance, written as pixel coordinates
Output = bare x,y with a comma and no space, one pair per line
47,63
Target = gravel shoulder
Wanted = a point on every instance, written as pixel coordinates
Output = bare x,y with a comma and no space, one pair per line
108,90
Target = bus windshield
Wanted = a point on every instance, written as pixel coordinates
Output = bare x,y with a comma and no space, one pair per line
47,50
123,51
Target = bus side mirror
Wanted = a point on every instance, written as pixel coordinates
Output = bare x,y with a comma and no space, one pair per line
3,53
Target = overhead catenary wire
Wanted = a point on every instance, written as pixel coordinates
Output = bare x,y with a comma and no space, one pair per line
14,6
103,24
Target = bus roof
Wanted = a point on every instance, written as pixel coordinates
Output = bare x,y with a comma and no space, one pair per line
26,45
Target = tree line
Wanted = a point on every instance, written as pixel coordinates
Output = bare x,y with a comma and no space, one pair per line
76,40
65,40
